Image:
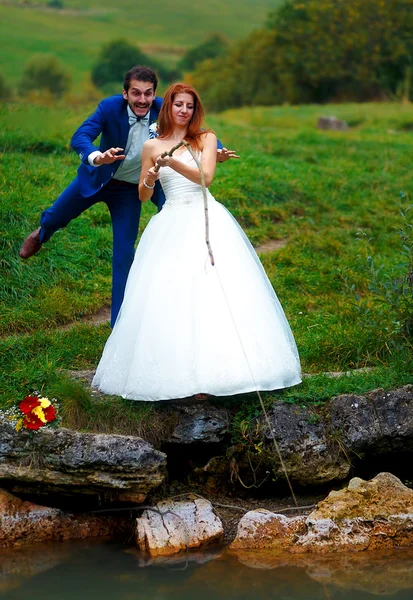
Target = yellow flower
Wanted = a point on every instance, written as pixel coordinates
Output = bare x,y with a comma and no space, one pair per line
44,402
19,424
38,411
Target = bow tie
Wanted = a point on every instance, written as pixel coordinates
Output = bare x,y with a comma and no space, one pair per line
134,119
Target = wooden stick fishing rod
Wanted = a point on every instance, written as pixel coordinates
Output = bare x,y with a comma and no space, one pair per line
204,191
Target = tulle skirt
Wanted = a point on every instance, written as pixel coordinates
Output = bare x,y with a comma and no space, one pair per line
187,327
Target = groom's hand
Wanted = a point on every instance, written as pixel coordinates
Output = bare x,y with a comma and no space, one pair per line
109,157
224,154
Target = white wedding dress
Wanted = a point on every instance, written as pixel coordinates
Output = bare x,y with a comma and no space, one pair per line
187,327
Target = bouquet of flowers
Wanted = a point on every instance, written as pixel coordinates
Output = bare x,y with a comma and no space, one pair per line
33,412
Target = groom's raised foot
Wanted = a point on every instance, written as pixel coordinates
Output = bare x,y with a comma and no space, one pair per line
31,244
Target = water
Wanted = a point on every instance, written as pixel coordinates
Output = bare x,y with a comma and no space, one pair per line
107,571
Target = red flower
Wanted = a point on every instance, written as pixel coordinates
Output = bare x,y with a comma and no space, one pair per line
49,413
31,421
28,403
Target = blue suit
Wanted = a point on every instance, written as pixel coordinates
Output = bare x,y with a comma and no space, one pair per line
93,184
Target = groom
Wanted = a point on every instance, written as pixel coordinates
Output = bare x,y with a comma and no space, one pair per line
110,174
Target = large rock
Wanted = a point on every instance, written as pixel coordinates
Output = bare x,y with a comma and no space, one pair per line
308,453
262,528
196,424
376,514
114,467
23,523
172,526
319,446
332,123
378,423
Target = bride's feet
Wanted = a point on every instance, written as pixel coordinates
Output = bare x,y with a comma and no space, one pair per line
201,396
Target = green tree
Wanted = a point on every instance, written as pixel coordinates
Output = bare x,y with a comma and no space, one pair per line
214,45
240,77
355,49
46,72
115,59
316,51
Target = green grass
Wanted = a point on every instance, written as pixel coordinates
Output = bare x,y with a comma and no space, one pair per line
314,189
79,410
77,33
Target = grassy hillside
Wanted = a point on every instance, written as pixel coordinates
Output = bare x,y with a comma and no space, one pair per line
76,33
314,190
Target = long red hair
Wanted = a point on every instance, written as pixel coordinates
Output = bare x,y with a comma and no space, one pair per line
165,121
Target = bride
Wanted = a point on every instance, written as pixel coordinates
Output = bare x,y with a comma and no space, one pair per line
187,327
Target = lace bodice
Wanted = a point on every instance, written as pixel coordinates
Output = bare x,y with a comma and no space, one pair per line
178,189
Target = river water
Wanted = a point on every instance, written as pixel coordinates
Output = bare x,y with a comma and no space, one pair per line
107,571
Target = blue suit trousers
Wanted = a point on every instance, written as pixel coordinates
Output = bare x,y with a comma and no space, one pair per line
125,209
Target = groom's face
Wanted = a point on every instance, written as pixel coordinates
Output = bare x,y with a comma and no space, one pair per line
139,96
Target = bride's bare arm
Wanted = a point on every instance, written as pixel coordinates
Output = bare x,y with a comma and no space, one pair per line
209,162
148,175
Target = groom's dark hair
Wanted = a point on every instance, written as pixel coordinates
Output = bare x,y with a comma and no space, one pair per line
141,74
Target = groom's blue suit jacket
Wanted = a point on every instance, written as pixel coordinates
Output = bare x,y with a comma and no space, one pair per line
110,119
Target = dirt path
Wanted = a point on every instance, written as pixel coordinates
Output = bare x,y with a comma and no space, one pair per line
270,246
97,318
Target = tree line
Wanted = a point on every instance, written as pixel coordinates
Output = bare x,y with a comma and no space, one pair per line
316,51
308,51
46,73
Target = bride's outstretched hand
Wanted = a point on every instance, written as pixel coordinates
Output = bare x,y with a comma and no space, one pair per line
224,154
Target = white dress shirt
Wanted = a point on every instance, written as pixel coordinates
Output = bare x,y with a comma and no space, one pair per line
130,168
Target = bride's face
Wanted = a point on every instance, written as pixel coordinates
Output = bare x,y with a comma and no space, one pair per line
182,109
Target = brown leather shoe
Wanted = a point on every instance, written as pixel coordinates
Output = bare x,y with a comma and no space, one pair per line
31,244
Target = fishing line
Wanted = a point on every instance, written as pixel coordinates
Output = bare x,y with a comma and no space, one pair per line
211,256
267,419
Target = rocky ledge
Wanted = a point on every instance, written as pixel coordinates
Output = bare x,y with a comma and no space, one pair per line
23,523
367,515
319,446
112,468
